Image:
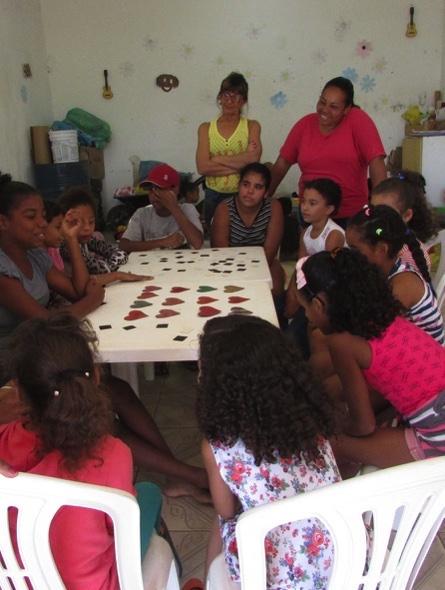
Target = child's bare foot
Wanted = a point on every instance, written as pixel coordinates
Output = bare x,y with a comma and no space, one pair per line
176,489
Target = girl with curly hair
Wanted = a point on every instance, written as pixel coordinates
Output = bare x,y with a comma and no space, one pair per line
405,192
265,421
379,233
67,434
373,346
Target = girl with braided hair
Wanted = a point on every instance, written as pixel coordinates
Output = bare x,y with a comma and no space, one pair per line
379,233
265,422
405,192
373,346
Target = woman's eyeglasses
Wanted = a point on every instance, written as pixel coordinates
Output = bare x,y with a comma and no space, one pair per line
233,96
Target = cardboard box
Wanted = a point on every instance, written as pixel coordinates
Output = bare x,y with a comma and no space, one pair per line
95,160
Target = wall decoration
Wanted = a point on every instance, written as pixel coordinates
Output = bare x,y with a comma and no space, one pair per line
187,51
363,48
149,43
254,32
106,89
380,65
367,83
285,76
126,69
24,93
341,29
319,57
167,81
26,69
278,100
350,74
411,30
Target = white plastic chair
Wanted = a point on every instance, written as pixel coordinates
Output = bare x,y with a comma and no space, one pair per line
440,293
38,498
412,494
438,240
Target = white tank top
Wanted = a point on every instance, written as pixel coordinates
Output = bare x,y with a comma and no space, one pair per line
314,245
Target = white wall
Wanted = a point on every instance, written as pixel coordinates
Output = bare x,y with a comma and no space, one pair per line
291,46
23,102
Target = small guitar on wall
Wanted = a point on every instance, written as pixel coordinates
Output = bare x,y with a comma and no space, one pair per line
411,30
106,90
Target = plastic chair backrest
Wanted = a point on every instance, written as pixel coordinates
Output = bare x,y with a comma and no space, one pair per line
440,294
413,494
438,240
37,498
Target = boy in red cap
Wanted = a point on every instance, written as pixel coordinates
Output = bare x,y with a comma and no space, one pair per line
164,223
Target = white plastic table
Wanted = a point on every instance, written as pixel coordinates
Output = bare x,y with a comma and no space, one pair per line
156,321
210,264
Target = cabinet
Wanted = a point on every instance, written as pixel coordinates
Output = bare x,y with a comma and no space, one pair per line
427,156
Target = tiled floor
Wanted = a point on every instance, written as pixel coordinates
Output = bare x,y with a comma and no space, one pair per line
171,400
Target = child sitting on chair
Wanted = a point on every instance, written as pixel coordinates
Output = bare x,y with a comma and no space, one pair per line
265,422
101,258
164,223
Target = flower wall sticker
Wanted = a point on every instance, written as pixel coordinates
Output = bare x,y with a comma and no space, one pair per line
254,32
278,100
126,69
380,65
367,84
341,28
350,74
319,57
149,43
363,48
24,93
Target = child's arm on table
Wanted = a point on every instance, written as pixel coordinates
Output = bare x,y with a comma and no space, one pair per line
225,503
125,277
175,240
350,354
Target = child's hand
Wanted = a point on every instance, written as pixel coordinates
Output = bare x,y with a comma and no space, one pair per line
174,240
71,225
167,199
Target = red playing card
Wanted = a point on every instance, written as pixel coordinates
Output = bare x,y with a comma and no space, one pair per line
206,311
178,289
203,300
135,314
172,301
152,288
237,299
166,313
146,295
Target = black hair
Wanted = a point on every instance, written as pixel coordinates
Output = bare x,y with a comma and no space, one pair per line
359,298
12,193
383,224
53,362
346,86
235,82
76,196
410,189
328,189
52,209
254,386
257,168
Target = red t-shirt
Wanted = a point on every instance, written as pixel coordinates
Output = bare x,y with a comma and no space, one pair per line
343,155
81,539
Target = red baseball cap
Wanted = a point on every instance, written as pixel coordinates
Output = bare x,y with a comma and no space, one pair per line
163,176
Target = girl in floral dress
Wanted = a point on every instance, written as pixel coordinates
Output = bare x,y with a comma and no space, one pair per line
265,421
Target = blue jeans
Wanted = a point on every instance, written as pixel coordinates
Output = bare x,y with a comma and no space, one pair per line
211,201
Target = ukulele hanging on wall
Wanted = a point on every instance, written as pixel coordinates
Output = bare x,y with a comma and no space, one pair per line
411,30
106,90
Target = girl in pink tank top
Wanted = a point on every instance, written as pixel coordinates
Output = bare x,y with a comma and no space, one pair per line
372,345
